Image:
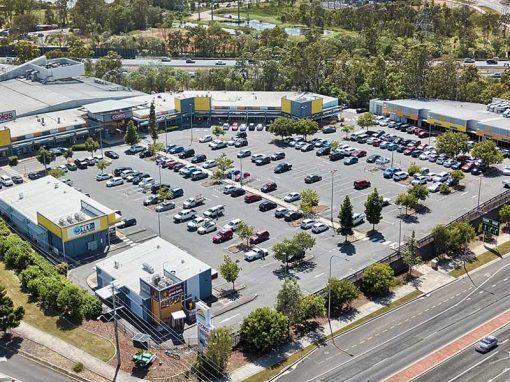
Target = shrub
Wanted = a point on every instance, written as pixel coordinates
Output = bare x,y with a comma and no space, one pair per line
90,306
79,147
263,329
78,367
342,292
444,189
13,160
378,278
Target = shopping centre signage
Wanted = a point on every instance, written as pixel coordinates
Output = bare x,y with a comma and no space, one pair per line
6,116
83,229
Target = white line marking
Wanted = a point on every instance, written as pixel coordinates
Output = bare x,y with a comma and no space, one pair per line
319,275
229,318
472,367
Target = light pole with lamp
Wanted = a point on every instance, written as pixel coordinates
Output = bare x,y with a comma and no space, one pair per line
479,191
392,151
159,217
399,228
241,176
332,172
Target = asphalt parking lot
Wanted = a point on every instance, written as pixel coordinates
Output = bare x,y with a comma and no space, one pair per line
263,277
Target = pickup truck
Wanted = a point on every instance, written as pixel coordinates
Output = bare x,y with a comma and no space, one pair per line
193,202
185,215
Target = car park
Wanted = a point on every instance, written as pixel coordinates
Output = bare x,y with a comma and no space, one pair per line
319,228
256,253
361,184
313,178
223,235
103,176
114,182
267,205
290,216
268,187
307,224
259,237
292,197
208,227
486,344
167,205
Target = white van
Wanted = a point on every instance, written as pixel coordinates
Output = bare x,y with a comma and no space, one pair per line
6,180
233,224
215,211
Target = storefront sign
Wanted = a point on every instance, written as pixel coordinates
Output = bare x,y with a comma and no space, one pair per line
172,295
204,326
6,116
116,117
83,229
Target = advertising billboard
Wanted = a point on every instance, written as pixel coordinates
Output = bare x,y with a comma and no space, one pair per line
86,228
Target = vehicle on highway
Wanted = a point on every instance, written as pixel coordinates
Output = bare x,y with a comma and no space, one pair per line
190,61
210,163
195,223
268,187
208,227
282,167
256,253
252,198
111,154
312,178
220,63
114,182
185,215
103,176
361,184
223,235
259,237
307,224
292,197
165,206
233,224
292,215
319,228
487,344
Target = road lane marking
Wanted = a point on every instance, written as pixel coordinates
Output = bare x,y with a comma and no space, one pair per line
472,367
319,275
229,318
500,374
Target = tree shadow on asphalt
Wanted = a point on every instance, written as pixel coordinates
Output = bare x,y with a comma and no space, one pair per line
9,345
382,300
422,210
375,236
348,248
410,219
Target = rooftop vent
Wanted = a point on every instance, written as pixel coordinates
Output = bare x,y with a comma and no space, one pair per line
148,268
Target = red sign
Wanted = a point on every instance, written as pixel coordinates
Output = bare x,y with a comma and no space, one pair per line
7,116
116,117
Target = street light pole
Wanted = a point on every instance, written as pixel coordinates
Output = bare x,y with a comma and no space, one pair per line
479,191
241,177
399,228
115,325
332,172
392,158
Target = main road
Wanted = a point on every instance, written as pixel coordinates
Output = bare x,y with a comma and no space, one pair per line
385,345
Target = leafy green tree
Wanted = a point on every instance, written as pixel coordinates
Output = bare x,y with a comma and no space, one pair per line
313,306
45,157
420,191
69,301
102,165
309,201
487,151
25,51
444,189
284,250
244,231
335,145
230,270
264,329
154,148
410,255
91,307
30,273
217,131
68,154
282,127
414,169
366,120
452,143
346,218
224,163
441,236
458,175
306,127
347,129
406,200
91,145
111,63
373,208
153,127
303,241
288,301
218,350
504,214
343,292
10,317
378,278
56,172
165,194
79,48
460,235
131,137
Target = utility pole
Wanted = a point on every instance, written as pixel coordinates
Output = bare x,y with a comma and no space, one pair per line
101,141
238,12
115,325
332,172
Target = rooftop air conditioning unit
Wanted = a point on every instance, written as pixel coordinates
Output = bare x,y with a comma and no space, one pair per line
148,268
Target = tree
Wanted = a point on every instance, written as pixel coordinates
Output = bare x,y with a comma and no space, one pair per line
109,64
441,236
406,200
102,165
223,164
10,317
45,157
458,175
244,231
154,148
79,49
460,235
25,51
420,191
263,329
346,218
165,194
153,127
91,307
282,127
378,278
334,145
91,145
217,131
343,292
313,306
309,201
347,129
452,143
414,169
410,255
285,250
131,137
487,151
68,154
288,301
69,301
306,127
219,349
366,120
56,172
303,241
229,270
504,214
373,208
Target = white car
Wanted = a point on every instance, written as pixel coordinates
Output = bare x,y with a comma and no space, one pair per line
424,156
231,142
220,63
400,175
506,170
210,163
256,253
195,223
421,179
233,224
358,218
208,226
63,167
441,177
114,182
205,139
6,180
382,160
229,188
350,150
165,206
146,182
292,197
319,228
307,224
103,176
434,187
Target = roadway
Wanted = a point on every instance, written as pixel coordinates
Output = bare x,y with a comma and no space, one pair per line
391,342
178,63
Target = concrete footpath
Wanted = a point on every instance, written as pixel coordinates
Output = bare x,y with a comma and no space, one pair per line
73,353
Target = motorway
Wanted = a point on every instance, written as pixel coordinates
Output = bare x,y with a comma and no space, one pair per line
378,349
177,62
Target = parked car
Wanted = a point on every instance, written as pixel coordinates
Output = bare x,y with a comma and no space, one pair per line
126,222
313,178
361,184
487,344
373,158
281,211
195,223
205,139
329,130
389,172
259,237
251,198
290,216
210,163
240,143
185,215
434,187
351,160
165,206
223,235
199,158
243,153
307,224
103,176
268,187
319,228
282,167
358,218
114,182
267,205
152,199
111,154
208,226
256,253
420,179
17,179
400,175
215,212
326,150
278,155
292,197
262,161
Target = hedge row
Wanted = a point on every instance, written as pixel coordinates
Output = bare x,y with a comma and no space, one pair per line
79,147
43,281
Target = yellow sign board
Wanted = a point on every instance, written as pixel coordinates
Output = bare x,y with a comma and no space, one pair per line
447,125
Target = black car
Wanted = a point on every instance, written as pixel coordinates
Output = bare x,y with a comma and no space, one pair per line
372,158
190,61
118,170
277,156
268,187
313,178
335,155
176,192
199,158
139,178
187,153
416,153
81,164
127,222
241,143
263,161
144,154
267,205
16,179
457,165
329,130
111,154
292,215
282,167
178,166
477,170
401,148
506,153
241,134
237,192
323,151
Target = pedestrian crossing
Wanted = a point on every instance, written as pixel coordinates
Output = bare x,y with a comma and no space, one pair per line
388,243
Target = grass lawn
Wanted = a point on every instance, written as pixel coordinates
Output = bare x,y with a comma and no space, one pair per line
274,370
484,258
92,344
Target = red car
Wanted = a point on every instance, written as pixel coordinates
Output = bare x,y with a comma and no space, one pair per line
235,126
259,237
245,175
268,187
170,165
422,146
251,198
418,131
408,151
423,134
376,142
359,153
361,184
467,167
223,235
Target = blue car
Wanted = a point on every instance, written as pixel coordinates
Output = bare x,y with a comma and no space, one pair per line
384,145
350,160
176,150
388,173
392,147
170,147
